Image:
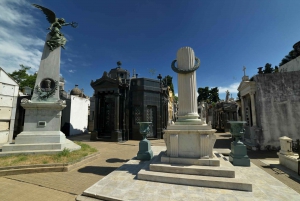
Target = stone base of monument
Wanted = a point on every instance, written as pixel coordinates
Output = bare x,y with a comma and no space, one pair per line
194,175
41,131
194,141
37,142
290,161
190,160
38,148
238,155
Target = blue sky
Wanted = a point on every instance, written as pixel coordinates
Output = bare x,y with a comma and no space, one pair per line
145,35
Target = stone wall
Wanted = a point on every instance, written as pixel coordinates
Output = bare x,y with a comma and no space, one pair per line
8,101
293,65
278,106
79,115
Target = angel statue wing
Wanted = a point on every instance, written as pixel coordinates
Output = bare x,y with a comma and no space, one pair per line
50,15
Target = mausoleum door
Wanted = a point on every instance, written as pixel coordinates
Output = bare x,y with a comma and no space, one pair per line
106,117
151,116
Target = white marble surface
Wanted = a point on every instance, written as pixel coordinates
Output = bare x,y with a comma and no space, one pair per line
187,84
122,184
289,161
285,145
8,102
190,143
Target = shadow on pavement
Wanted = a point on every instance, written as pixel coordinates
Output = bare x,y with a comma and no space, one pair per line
116,160
103,171
262,154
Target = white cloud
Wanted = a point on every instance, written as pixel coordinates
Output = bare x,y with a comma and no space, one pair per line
231,88
70,60
12,12
72,71
17,44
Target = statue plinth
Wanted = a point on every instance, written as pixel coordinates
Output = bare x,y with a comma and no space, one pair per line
189,140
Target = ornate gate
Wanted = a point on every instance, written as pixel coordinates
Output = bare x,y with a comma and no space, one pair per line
151,115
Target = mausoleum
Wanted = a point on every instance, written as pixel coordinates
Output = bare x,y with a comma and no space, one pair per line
121,101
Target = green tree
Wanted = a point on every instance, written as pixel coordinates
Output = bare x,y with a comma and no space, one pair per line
175,99
209,95
203,94
268,68
168,80
214,95
23,78
292,55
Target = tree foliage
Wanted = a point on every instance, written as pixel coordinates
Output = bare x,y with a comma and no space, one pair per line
208,95
23,78
168,81
268,68
292,55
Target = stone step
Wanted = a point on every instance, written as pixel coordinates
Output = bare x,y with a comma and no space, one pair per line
195,180
193,170
53,151
33,170
26,147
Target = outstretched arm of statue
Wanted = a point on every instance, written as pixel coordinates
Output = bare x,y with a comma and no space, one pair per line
73,24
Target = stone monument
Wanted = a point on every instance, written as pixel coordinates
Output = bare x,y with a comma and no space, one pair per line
190,139
190,158
43,112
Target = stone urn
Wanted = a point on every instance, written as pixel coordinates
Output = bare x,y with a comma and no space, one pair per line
145,152
237,129
238,155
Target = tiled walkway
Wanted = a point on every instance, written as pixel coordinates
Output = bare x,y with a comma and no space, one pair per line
123,185
67,185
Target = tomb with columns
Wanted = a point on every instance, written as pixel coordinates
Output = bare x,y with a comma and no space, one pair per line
270,104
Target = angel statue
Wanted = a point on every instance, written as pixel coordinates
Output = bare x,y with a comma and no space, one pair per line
57,38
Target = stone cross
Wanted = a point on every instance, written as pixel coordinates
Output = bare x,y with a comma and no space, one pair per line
244,69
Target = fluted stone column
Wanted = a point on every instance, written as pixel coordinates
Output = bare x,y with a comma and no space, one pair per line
187,86
243,109
253,109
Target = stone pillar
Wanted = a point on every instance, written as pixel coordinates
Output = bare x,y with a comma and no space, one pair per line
187,91
117,113
96,113
124,116
243,109
253,109
94,133
117,134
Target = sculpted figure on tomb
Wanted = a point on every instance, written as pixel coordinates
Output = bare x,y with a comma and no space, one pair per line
57,38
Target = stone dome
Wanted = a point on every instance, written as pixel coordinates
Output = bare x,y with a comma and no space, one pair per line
76,91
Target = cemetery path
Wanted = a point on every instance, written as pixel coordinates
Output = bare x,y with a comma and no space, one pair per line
67,185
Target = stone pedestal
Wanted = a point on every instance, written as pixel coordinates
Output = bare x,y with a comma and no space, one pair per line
286,145
238,155
145,152
190,146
